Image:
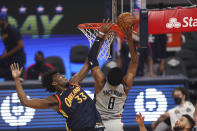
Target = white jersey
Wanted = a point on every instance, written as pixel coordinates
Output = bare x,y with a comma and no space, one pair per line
176,112
110,101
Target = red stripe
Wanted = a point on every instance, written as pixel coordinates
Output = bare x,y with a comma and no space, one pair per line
58,101
26,72
50,66
74,85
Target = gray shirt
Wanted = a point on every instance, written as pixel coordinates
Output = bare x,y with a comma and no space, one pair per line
110,101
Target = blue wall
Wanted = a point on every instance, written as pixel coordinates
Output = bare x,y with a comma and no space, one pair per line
54,46
139,99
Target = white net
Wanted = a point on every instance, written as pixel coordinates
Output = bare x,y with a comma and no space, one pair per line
91,34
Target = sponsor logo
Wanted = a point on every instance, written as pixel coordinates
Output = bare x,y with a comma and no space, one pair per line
187,22
173,23
151,103
13,113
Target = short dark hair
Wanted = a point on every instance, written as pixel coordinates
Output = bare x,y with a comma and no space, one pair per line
190,119
40,53
183,90
47,80
115,76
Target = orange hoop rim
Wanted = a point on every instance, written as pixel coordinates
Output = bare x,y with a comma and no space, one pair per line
96,26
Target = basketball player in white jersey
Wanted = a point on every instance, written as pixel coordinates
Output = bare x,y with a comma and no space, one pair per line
112,90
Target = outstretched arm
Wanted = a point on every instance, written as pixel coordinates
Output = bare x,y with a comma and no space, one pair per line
19,46
49,102
140,120
14,50
97,74
133,64
78,77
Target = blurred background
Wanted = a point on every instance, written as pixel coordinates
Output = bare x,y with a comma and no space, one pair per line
50,35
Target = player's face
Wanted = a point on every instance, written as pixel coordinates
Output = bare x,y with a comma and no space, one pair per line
39,59
61,80
181,124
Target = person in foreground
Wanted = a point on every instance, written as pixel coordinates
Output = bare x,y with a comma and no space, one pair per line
184,106
70,99
185,123
112,90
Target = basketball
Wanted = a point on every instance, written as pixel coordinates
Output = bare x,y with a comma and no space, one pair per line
126,20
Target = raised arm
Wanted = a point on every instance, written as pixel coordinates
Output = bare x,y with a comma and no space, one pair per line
133,64
49,102
140,120
97,74
78,77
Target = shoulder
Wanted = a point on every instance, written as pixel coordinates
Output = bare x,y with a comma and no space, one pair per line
188,103
13,28
52,99
49,66
172,110
123,86
166,114
106,84
15,31
74,85
103,86
128,79
30,67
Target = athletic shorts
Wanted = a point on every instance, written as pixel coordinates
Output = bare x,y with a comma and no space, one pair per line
113,125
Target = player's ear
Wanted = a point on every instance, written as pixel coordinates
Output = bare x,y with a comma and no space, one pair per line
54,83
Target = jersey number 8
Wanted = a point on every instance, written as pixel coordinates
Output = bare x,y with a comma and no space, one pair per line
111,102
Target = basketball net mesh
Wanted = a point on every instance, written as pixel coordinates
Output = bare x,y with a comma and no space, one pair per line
91,34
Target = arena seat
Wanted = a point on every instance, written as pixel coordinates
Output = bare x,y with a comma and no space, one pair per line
175,66
57,63
190,62
78,55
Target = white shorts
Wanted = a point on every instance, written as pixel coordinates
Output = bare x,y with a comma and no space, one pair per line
113,125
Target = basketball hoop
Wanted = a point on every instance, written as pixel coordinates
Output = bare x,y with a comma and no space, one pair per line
90,30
